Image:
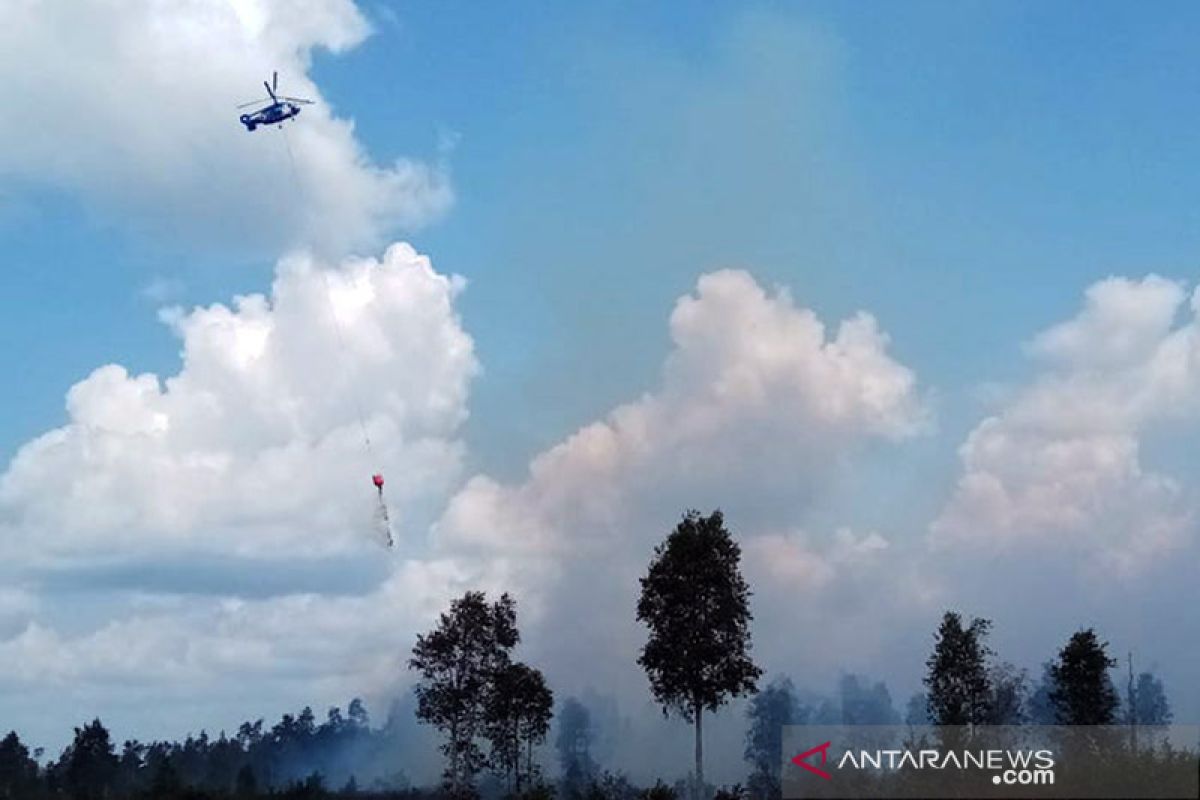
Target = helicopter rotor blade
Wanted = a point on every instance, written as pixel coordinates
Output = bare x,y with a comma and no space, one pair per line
255,102
297,100
270,91
274,81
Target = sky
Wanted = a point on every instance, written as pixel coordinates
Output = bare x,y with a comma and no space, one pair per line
910,295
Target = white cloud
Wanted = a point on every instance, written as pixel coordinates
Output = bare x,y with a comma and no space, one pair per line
757,401
758,409
132,106
1060,464
255,446
252,451
162,666
195,645
17,607
792,560
854,593
181,536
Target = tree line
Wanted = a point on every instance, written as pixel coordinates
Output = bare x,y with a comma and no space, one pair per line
494,712
965,684
695,605
297,756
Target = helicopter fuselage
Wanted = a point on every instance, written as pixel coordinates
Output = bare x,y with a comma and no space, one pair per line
272,114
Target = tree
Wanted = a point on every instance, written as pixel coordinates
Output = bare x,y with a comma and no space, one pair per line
357,714
538,710
1083,692
245,784
864,703
89,762
166,781
130,768
574,746
1150,705
959,690
697,608
18,771
1010,690
768,711
457,662
224,758
916,712
1038,707
519,709
827,711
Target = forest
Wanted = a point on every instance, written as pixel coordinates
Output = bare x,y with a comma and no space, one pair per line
505,734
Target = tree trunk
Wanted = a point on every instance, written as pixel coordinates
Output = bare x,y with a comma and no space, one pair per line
529,760
1132,713
515,769
454,758
699,791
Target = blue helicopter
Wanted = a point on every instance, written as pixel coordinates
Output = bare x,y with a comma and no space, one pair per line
278,108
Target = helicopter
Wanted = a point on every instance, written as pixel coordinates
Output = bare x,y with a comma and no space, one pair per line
278,108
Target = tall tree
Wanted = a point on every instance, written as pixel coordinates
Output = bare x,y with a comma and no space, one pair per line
1010,692
245,785
537,711
1039,708
1150,705
697,608
358,716
457,662
1083,692
956,678
768,711
18,771
129,768
89,762
519,708
224,758
574,745
864,703
916,712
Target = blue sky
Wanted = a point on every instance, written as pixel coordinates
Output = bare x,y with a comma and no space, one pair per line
962,172
990,161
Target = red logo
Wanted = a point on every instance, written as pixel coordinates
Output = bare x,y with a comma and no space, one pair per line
801,760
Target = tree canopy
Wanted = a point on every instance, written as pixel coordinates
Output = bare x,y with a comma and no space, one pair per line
956,680
1083,691
696,606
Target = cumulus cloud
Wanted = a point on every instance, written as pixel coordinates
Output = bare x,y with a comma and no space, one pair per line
1060,464
131,106
252,453
788,558
217,523
256,445
860,593
757,401
758,408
